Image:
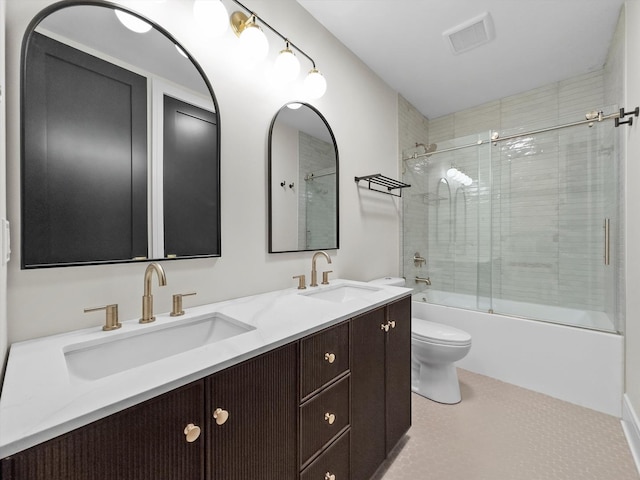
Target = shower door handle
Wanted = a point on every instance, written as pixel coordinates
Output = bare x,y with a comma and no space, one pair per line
606,241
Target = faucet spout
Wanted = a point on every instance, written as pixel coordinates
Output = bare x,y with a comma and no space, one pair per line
147,298
314,271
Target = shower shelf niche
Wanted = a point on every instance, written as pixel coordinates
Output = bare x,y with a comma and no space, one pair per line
389,183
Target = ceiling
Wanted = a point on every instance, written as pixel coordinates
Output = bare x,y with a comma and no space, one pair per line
536,42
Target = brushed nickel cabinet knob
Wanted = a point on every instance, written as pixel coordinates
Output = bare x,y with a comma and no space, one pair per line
392,323
220,415
330,417
385,327
192,432
329,476
330,357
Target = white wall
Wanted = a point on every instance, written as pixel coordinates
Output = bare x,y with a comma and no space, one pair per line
3,268
361,110
632,139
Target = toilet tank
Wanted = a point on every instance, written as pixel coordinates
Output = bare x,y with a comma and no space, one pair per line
393,281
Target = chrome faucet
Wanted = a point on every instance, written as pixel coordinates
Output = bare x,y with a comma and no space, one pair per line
314,272
147,298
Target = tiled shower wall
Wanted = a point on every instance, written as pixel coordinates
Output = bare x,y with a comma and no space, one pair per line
528,264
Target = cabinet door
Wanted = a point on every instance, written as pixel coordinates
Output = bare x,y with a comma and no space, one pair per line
367,394
259,438
143,442
398,375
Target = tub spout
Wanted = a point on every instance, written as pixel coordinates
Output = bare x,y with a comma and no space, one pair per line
426,281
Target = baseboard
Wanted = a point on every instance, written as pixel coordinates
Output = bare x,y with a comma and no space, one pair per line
631,427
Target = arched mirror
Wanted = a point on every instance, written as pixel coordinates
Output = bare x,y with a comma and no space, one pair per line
303,181
120,142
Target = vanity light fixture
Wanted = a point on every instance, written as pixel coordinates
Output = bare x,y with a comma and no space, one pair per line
253,41
213,13
132,22
287,65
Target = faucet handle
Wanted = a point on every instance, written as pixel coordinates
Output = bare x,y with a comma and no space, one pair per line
111,321
325,277
177,310
301,282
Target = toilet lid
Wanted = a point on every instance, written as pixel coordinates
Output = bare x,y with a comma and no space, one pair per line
438,333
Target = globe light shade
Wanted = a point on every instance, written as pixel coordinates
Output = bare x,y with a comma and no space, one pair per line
212,15
287,66
132,22
451,172
253,43
314,84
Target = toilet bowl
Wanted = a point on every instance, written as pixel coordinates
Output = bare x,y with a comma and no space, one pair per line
434,349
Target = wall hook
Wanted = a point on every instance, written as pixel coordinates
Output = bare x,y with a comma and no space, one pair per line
291,185
283,183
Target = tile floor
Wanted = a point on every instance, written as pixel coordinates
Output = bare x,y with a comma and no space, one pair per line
503,432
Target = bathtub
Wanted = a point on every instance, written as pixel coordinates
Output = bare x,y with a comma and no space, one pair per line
578,365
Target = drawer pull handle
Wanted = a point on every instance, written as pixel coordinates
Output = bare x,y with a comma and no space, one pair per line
329,476
392,323
384,327
330,357
220,415
192,432
330,417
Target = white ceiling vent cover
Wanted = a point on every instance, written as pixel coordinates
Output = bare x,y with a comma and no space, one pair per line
470,34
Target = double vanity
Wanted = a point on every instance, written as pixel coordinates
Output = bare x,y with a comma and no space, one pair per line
311,383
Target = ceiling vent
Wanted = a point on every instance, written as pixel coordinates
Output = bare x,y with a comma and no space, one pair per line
470,34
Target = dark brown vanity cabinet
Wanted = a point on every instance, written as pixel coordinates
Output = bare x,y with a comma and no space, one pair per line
147,441
329,406
176,436
381,385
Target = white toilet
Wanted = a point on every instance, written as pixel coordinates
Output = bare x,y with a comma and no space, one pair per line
434,349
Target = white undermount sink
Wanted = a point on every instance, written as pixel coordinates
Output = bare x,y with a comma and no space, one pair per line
92,360
341,293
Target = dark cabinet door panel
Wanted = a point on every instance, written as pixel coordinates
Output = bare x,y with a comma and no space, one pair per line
367,395
259,438
398,376
143,442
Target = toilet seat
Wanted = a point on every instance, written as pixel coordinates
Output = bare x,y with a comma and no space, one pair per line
426,331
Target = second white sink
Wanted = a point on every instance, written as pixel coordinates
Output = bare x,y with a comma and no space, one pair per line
341,293
97,359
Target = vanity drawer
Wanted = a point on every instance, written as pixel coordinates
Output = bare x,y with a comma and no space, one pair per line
324,417
333,461
323,357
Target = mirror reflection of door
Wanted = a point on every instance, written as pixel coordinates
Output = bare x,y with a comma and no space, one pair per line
85,164
92,138
190,204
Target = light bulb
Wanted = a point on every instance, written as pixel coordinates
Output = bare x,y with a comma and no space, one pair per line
451,172
287,66
132,22
254,43
212,15
314,84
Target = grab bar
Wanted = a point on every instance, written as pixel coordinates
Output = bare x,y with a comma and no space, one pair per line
606,241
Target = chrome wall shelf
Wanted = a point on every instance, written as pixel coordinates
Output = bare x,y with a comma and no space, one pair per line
388,183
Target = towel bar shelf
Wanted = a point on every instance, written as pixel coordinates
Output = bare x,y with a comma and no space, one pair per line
386,182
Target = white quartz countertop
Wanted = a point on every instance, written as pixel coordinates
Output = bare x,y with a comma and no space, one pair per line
41,399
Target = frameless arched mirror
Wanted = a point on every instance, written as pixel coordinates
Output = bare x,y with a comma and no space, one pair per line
303,181
120,142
